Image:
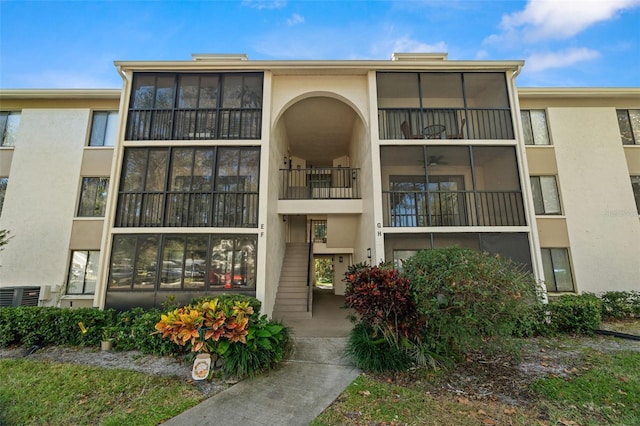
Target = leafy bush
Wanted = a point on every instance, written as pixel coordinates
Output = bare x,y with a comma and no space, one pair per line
32,325
228,328
467,297
266,345
373,352
136,331
388,330
620,304
575,314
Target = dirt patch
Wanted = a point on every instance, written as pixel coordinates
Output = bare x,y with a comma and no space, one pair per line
504,378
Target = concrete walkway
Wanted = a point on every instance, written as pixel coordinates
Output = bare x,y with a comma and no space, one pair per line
294,394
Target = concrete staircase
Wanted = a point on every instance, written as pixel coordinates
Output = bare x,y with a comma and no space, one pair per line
293,300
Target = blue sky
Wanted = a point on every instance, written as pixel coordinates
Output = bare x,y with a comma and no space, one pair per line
565,43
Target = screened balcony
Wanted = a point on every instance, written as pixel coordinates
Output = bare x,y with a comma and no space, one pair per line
320,183
443,106
195,106
434,186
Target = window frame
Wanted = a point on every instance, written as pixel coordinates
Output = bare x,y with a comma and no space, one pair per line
96,256
9,128
553,274
528,128
544,198
98,208
108,127
635,187
631,132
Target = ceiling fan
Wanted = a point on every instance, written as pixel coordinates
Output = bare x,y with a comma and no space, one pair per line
436,160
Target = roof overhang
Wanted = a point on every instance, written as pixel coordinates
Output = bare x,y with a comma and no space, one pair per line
320,66
60,93
579,92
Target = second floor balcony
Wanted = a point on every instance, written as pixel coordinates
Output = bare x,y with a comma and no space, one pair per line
453,208
328,183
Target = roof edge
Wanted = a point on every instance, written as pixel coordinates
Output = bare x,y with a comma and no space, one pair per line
578,92
60,93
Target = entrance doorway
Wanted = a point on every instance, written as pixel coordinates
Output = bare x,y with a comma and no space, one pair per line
323,268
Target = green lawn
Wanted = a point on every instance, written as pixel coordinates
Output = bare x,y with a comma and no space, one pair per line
40,392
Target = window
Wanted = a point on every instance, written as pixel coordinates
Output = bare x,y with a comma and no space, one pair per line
629,123
169,106
83,272
399,256
635,184
9,122
93,196
545,195
534,125
3,190
192,262
104,128
557,269
203,186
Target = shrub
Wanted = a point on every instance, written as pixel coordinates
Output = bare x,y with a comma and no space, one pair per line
579,314
388,330
467,297
136,331
620,304
266,345
383,301
228,328
33,325
373,352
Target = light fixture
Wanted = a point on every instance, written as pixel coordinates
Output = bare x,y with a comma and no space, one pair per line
284,217
369,253
340,259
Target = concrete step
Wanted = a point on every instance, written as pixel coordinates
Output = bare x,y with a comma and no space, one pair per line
289,308
283,316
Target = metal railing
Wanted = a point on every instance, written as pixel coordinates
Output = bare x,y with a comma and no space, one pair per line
320,183
187,209
453,208
193,124
445,123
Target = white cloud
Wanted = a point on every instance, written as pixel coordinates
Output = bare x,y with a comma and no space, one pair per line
264,4
409,45
295,19
560,19
543,61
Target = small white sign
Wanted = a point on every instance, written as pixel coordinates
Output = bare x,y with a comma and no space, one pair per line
201,366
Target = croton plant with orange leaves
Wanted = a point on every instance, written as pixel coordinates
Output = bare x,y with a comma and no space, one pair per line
207,326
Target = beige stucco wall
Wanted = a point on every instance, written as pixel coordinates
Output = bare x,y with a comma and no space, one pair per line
6,156
541,160
96,162
601,216
41,196
632,153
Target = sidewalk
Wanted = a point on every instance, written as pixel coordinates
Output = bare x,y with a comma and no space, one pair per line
294,394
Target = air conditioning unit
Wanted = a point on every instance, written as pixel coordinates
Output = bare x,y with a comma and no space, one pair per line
19,296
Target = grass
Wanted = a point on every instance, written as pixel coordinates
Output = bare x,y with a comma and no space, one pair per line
40,392
369,401
604,388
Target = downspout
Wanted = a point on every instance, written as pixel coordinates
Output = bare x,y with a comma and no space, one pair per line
109,218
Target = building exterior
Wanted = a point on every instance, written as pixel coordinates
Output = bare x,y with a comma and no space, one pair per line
224,175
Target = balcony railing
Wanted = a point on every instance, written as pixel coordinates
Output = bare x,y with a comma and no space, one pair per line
194,124
187,209
453,208
320,183
445,123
